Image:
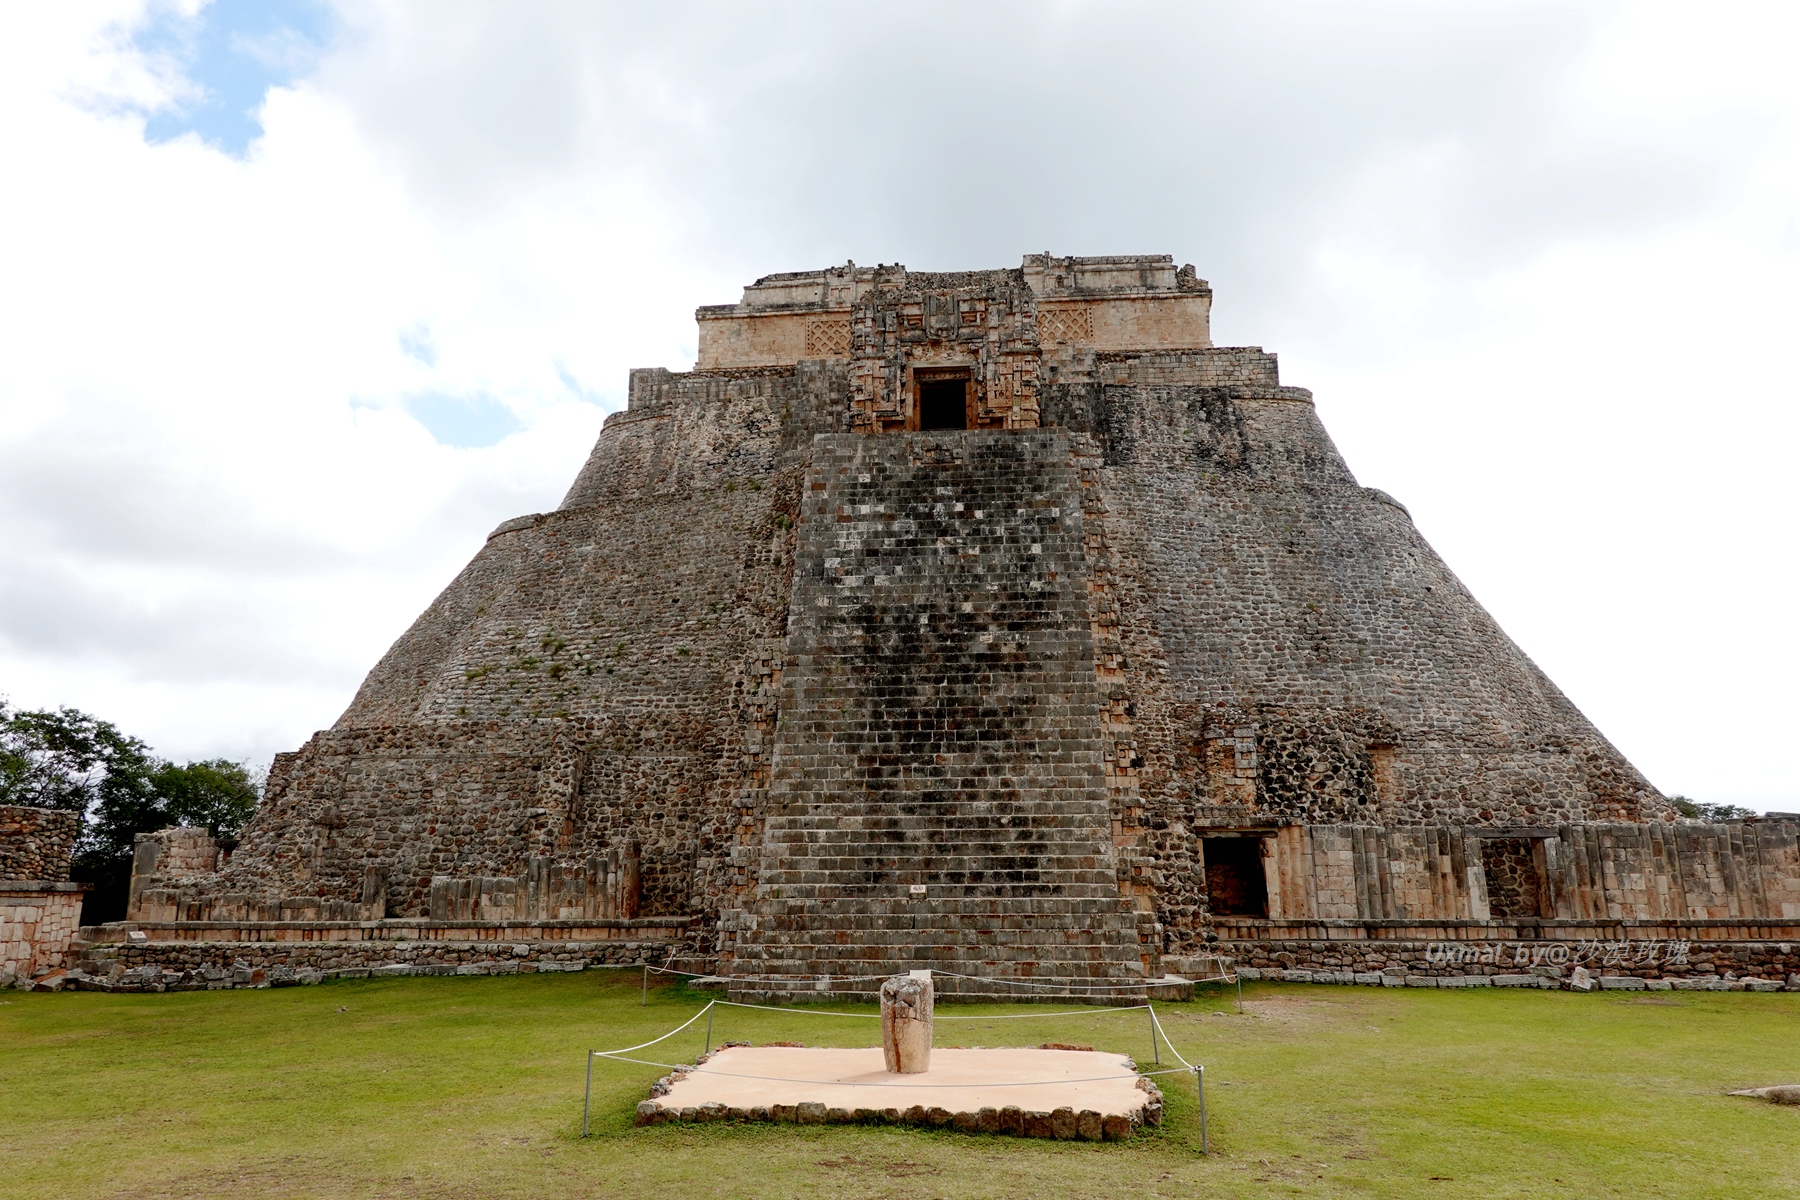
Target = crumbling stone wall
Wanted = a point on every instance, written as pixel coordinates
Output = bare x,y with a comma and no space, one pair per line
38,920
36,843
39,909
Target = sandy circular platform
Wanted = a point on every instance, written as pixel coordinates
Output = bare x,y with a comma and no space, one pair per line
968,1088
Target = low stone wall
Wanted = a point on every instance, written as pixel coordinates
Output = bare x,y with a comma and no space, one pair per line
207,966
663,930
1620,962
36,843
38,919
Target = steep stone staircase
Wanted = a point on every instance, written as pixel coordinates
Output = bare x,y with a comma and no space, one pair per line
937,796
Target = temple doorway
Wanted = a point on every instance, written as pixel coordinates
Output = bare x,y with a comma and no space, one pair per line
1234,876
943,399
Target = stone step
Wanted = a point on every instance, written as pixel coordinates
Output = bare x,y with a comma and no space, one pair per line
941,842
1046,899
966,963
1061,825
808,928
868,880
1033,904
940,720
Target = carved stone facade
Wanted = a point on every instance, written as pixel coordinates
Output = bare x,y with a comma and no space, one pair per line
978,328
994,622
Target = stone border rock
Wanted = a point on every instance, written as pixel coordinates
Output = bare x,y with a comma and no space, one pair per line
1061,1124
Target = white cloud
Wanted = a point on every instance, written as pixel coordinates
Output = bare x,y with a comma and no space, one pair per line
1533,260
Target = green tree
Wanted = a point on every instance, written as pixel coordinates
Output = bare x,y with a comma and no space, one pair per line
1699,810
69,760
216,795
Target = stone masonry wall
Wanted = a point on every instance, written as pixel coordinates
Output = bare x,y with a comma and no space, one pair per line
1684,871
589,680
1515,881
1617,960
1301,653
36,927
940,722
212,966
36,843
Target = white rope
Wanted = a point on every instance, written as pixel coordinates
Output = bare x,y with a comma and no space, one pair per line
803,980
624,1055
797,980
810,1012
665,1037
848,1083
1165,1037
1067,987
1082,1012
817,1012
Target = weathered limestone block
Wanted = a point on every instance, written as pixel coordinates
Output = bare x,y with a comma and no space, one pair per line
906,1003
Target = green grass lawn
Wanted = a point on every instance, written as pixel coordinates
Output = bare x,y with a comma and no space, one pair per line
472,1087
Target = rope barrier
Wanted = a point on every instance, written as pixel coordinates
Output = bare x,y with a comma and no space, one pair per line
665,1037
1165,1037
1080,1012
1075,985
1156,1025
775,978
1067,987
810,1012
815,1012
1199,1074
689,1070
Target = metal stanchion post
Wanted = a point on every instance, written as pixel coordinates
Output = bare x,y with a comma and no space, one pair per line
1154,1047
587,1095
1240,983
645,1002
1200,1085
709,1017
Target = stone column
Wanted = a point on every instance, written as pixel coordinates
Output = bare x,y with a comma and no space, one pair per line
906,1023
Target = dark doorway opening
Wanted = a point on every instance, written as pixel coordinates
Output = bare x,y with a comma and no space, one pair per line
1234,876
1515,884
944,403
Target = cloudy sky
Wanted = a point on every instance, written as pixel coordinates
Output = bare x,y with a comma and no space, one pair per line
300,300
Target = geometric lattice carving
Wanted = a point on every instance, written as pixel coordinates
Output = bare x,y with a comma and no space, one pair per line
1073,324
828,338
